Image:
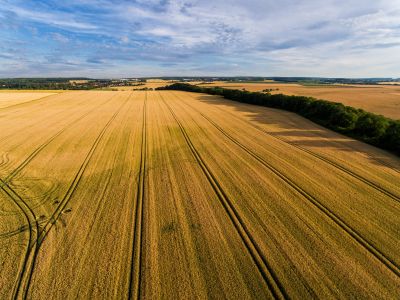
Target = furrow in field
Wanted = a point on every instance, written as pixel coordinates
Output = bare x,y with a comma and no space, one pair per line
13,245
77,178
136,261
32,220
59,209
263,266
92,241
37,112
30,157
33,232
23,103
188,234
368,211
329,213
47,142
331,162
375,164
21,141
293,233
368,182
170,195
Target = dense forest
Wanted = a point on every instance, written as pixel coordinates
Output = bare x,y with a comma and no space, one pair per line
357,123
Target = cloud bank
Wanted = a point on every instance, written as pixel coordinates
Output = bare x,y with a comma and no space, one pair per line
109,38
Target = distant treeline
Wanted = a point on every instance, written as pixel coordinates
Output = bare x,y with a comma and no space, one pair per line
321,80
357,123
51,84
300,80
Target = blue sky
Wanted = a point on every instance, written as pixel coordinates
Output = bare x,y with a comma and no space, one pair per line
110,38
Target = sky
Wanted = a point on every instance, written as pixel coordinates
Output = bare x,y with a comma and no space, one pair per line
114,39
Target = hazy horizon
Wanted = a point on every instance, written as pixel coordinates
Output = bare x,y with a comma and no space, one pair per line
116,39
189,77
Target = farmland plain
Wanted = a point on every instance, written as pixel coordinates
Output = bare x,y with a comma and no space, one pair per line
379,99
134,194
150,84
9,98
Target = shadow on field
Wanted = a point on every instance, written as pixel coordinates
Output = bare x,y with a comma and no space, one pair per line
317,136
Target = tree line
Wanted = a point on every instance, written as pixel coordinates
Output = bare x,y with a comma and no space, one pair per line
357,123
52,84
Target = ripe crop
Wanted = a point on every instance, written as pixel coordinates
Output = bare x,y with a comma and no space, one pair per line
167,194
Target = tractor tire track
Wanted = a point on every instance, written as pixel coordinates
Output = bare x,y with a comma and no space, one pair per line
47,142
77,178
254,250
33,251
322,158
35,123
136,256
27,102
390,264
343,169
21,229
33,231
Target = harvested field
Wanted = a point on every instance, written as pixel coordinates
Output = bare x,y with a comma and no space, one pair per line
133,194
379,99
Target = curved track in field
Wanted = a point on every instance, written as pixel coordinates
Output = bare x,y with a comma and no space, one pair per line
26,275
47,142
32,223
136,256
61,112
33,231
24,163
329,213
268,274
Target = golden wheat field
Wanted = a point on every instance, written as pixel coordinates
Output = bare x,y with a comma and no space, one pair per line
175,195
10,98
150,84
379,99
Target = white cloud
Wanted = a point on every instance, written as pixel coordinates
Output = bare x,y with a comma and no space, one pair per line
57,19
59,38
288,37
